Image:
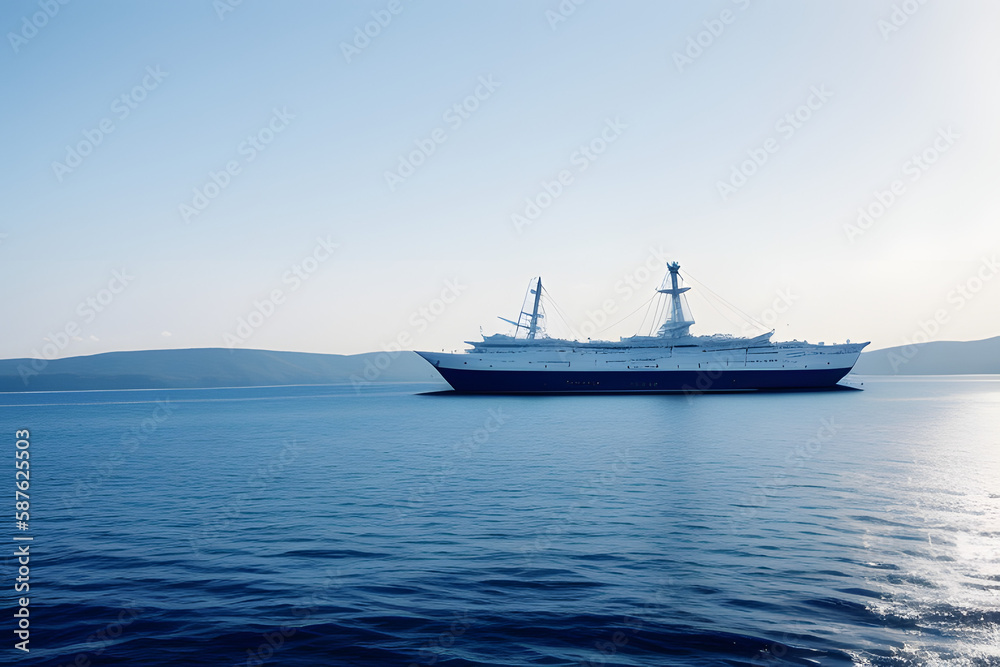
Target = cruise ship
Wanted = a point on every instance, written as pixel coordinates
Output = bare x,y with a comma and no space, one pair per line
671,361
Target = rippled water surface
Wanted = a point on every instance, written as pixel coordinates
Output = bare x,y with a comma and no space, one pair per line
319,526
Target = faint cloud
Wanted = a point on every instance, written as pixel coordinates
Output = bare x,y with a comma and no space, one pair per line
166,334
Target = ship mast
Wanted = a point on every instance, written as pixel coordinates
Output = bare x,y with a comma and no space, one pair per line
534,311
677,324
532,325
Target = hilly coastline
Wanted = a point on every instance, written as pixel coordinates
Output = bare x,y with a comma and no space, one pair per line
934,358
222,367
210,367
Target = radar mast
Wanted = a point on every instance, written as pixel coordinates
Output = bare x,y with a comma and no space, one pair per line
679,319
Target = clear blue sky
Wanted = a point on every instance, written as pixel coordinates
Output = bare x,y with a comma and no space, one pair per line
609,76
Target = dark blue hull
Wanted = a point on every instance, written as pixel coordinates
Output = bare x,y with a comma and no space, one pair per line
636,382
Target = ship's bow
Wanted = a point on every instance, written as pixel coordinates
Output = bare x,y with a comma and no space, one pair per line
443,362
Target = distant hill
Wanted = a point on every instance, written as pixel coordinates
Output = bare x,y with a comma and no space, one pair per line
209,367
934,358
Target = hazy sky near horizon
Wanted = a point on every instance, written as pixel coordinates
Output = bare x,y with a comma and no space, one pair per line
172,168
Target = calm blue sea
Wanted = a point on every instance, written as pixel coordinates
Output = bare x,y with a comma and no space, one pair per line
320,526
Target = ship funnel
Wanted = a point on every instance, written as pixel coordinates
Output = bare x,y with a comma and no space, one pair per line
679,318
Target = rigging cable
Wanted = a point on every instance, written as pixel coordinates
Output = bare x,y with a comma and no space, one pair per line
657,315
736,310
626,317
559,311
643,323
726,317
